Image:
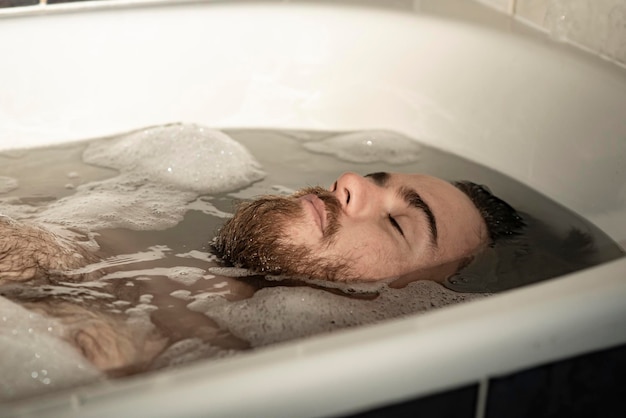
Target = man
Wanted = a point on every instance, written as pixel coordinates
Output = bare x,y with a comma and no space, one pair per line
375,227
380,226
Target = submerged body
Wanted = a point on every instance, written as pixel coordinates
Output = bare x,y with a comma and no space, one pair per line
362,228
32,253
120,261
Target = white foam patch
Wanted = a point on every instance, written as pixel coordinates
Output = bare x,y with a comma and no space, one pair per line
181,294
181,274
155,252
141,310
73,293
7,184
147,298
39,360
368,147
186,156
119,203
231,271
161,169
345,287
276,314
198,255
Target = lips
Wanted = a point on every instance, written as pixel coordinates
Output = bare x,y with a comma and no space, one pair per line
317,208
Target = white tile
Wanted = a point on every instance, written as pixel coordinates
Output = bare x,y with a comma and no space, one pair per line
505,6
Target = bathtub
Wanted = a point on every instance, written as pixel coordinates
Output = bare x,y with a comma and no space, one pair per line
454,74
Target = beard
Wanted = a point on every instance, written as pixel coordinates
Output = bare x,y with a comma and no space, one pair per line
254,238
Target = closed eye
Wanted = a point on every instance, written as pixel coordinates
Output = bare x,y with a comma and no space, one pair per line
395,225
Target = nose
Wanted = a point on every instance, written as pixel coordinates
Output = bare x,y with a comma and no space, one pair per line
359,197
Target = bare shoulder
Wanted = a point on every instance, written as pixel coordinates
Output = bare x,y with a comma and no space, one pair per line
30,251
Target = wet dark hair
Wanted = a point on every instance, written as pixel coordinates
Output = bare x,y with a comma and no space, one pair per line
503,222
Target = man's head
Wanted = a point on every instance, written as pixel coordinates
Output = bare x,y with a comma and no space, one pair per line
367,228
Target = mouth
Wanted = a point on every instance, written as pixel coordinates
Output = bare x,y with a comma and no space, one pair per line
317,208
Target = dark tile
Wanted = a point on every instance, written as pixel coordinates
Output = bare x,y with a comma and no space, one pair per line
64,1
14,3
591,385
456,403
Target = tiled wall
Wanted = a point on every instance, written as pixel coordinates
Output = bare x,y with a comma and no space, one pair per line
587,386
14,3
596,25
17,3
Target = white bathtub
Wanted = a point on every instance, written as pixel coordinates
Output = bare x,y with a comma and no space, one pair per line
477,84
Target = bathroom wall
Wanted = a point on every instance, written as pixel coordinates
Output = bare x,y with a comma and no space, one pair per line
596,25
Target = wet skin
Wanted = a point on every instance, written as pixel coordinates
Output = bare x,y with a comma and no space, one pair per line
389,225
392,224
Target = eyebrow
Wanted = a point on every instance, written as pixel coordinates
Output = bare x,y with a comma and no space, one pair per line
413,199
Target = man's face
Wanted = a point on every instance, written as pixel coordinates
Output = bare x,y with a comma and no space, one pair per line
368,228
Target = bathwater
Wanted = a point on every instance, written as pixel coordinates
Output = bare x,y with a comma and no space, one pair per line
147,204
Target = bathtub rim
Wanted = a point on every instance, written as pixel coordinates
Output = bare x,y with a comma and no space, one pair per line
587,330
89,401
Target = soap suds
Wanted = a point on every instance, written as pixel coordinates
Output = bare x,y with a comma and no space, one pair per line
277,314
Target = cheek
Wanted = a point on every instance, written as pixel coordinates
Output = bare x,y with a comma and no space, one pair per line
368,252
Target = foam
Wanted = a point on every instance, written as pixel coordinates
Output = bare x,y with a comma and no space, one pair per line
155,252
186,156
181,294
75,293
368,147
346,287
198,255
162,169
40,360
231,271
180,274
276,314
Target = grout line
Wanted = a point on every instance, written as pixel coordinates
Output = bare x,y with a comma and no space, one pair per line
481,397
